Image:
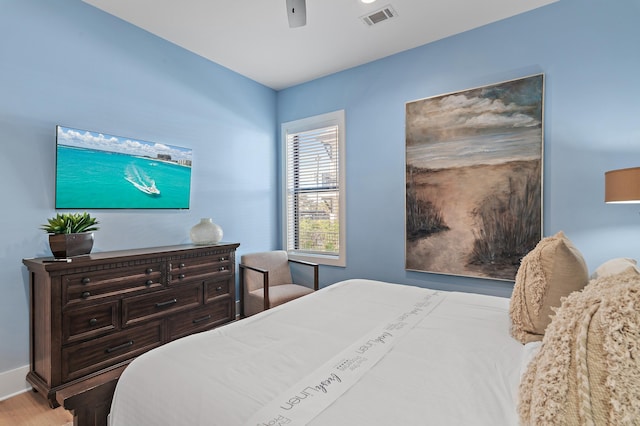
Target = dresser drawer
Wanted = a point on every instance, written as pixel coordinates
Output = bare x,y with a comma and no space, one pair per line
95,285
200,319
214,289
90,321
160,303
86,357
100,311
200,268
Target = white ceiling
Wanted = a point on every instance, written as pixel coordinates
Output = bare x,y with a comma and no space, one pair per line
253,37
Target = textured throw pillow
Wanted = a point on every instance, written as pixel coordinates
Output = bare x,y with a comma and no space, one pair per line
614,267
587,371
552,270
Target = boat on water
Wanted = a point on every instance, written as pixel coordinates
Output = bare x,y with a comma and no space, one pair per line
147,189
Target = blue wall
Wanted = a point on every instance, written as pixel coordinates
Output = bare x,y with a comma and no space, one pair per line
66,62
587,50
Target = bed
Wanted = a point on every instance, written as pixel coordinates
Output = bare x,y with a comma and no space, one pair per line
358,352
563,350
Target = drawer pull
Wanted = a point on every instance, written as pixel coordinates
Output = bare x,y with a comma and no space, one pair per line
85,294
219,289
148,271
93,322
167,303
148,283
222,259
182,265
222,269
122,346
85,280
199,320
181,276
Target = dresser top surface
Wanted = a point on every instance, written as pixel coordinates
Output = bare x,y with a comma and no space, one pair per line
51,264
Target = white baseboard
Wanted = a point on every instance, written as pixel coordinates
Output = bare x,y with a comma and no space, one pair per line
13,382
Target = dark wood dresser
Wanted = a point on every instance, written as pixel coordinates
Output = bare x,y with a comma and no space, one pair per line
97,312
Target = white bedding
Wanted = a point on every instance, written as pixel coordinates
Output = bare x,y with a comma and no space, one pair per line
457,365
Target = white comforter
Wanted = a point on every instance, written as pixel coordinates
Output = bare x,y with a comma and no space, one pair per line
457,365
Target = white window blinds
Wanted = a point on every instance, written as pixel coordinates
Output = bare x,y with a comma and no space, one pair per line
313,190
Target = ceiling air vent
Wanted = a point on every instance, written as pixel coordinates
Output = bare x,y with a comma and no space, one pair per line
379,15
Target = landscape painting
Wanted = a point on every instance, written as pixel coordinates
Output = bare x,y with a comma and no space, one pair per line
474,179
100,171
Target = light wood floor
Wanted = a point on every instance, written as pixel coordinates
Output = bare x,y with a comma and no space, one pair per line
31,409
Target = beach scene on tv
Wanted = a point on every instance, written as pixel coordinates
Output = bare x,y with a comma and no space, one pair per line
97,170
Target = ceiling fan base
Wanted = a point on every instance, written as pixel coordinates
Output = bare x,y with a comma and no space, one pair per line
297,13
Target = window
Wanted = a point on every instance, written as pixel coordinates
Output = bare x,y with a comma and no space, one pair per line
314,206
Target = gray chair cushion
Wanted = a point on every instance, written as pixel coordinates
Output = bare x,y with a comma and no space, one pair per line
253,302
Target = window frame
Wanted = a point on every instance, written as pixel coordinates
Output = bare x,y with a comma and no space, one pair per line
335,118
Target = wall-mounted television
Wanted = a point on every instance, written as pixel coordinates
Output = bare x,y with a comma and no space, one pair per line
100,171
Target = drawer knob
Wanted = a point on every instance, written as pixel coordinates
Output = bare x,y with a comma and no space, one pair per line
222,259
181,276
93,322
85,280
148,283
222,269
199,320
122,346
148,271
85,294
182,265
219,289
167,303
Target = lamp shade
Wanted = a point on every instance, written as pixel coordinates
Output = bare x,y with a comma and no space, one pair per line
622,186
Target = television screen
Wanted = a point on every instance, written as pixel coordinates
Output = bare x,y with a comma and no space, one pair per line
100,171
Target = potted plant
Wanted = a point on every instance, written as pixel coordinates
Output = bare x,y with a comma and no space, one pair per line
70,234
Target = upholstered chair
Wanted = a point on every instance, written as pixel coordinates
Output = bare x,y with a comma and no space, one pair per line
266,281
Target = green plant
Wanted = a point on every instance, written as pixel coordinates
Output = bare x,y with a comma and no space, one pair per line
70,223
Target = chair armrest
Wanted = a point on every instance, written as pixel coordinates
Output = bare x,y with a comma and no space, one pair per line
265,282
303,262
315,270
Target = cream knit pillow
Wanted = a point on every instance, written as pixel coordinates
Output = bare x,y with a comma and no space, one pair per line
587,371
552,270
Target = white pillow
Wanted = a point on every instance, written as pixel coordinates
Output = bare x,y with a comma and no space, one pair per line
614,267
529,351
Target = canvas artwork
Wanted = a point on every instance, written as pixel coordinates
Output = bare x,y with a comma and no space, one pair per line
97,170
474,179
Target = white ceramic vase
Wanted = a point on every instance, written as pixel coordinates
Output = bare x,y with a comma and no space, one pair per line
205,232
